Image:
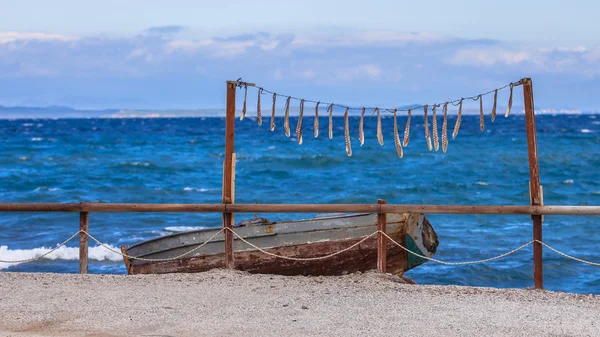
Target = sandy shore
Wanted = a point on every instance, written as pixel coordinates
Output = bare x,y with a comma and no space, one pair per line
224,303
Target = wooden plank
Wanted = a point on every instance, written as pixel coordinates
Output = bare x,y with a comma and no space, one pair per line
83,242
228,172
534,183
381,240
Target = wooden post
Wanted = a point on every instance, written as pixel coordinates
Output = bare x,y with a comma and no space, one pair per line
534,182
381,240
228,171
83,243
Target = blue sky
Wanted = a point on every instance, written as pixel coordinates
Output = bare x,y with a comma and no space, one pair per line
178,54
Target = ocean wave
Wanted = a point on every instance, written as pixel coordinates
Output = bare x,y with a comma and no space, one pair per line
46,188
97,253
37,139
190,189
568,181
136,163
482,183
184,228
585,131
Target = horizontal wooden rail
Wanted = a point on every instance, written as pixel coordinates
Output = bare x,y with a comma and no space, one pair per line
301,208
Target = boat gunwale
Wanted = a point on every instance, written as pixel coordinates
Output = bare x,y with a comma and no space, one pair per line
215,240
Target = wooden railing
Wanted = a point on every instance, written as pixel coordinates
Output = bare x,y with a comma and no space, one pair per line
380,208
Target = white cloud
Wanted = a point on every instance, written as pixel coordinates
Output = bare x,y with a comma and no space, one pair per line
376,38
489,57
7,37
370,71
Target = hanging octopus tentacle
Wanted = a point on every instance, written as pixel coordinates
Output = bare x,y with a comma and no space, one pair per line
258,112
445,128
316,125
347,134
361,134
407,129
244,106
509,101
426,124
299,126
286,117
436,140
481,123
379,131
330,121
397,137
457,125
494,107
273,112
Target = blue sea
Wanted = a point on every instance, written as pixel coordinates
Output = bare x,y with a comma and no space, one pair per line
180,160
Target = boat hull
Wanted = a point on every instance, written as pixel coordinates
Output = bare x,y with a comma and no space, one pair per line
297,239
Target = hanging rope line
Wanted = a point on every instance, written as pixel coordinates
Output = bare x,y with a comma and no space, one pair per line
264,251
377,110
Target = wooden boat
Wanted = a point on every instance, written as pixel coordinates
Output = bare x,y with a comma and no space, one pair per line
319,236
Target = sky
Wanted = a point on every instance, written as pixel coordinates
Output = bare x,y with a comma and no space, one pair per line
178,54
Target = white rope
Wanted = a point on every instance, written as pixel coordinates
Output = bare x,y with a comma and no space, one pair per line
567,255
301,258
365,238
457,263
155,260
43,255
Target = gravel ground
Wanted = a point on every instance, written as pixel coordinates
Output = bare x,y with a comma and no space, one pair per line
224,303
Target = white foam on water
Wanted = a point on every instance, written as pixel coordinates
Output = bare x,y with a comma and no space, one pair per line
37,139
585,131
190,189
568,181
482,183
136,163
183,228
272,147
596,122
97,253
27,124
46,188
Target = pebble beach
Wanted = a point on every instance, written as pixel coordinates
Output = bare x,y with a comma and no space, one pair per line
225,303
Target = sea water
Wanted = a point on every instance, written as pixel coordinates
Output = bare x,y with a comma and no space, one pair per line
180,161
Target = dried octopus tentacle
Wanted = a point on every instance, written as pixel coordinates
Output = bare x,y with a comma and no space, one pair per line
397,137
273,112
258,112
509,101
407,130
316,125
494,107
436,140
481,123
379,132
286,117
361,133
457,125
244,107
299,126
347,133
330,121
445,128
426,124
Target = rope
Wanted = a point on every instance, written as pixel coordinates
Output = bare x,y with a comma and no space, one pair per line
389,110
301,258
156,260
365,238
43,255
457,263
567,255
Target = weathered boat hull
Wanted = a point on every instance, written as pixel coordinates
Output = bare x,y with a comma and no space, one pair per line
301,239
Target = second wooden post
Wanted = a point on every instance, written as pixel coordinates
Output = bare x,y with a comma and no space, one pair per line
381,239
228,172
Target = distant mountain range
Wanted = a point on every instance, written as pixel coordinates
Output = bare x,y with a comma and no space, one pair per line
68,112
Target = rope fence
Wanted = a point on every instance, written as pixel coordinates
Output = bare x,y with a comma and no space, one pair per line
324,257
